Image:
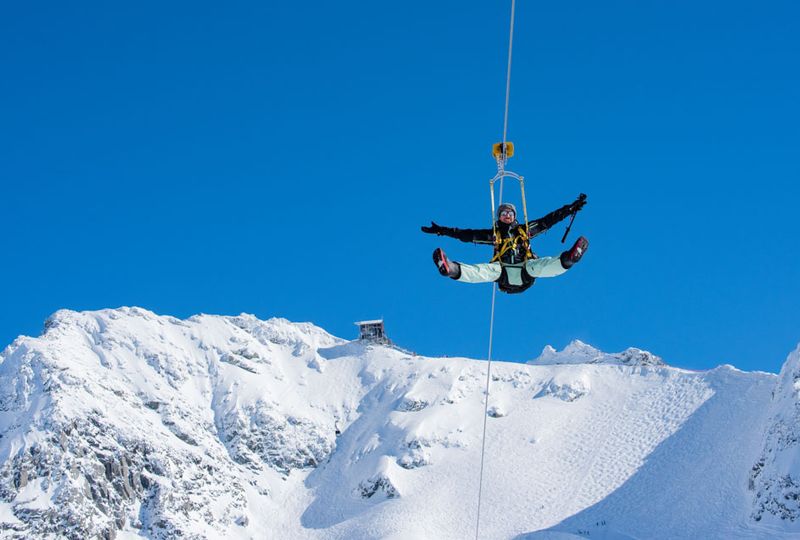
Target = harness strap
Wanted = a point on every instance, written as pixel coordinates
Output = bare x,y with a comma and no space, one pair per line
503,245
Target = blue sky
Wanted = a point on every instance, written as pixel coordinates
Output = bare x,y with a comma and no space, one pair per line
279,159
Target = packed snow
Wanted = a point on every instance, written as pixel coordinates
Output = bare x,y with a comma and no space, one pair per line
126,424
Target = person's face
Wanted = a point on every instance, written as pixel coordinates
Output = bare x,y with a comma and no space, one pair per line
507,216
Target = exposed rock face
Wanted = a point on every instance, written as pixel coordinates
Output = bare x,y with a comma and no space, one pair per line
377,485
260,435
92,474
775,477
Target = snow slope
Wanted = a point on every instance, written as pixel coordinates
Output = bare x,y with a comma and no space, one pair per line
125,424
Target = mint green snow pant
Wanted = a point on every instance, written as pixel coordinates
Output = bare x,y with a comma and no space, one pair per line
488,272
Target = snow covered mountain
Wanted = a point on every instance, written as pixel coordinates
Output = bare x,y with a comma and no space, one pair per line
125,424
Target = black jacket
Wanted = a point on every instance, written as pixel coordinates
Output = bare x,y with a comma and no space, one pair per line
518,254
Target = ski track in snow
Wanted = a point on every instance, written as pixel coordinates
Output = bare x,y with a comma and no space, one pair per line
223,427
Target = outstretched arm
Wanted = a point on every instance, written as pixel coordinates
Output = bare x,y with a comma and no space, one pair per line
538,226
477,236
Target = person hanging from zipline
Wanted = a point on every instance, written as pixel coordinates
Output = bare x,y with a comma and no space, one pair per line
514,266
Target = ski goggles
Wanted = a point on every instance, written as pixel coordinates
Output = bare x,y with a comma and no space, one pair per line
508,213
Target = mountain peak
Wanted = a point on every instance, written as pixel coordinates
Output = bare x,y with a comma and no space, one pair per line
578,352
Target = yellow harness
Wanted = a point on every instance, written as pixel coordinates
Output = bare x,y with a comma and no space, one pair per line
503,245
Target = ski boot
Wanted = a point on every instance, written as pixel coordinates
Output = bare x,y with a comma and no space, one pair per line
574,254
445,266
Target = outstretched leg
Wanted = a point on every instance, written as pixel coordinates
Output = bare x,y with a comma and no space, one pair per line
544,267
555,266
479,273
467,273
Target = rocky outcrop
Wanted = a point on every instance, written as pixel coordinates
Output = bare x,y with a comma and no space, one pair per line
261,436
775,477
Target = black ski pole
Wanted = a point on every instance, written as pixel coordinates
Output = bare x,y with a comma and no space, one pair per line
564,238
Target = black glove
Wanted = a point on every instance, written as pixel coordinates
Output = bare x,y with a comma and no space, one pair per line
433,229
579,203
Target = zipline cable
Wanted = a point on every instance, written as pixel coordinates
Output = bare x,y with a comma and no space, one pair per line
508,88
494,285
508,71
485,411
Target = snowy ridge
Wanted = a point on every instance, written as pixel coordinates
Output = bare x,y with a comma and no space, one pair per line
579,352
125,424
